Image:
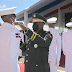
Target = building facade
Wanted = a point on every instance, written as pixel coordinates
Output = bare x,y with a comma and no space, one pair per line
62,9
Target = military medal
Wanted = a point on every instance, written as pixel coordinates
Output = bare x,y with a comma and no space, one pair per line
35,45
17,35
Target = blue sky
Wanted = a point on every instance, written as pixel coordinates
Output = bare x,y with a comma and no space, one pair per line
20,4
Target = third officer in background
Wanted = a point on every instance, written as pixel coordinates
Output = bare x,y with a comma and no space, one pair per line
55,47
67,47
36,59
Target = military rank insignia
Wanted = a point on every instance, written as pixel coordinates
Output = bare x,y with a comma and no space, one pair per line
17,35
35,45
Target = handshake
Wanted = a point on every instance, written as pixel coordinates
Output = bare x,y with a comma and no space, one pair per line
20,24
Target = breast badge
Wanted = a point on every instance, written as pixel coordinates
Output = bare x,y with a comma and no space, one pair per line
35,45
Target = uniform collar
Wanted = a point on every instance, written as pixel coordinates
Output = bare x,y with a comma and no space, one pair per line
51,28
40,31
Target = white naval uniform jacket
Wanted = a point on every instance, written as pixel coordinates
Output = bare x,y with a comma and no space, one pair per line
67,42
9,48
55,46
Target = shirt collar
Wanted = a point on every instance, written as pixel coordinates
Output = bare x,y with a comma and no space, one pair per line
7,24
51,28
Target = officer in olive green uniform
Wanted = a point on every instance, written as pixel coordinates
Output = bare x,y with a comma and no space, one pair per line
36,59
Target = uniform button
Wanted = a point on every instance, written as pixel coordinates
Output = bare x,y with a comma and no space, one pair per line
35,45
36,65
26,60
28,49
26,54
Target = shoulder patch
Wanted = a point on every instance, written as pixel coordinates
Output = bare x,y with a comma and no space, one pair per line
50,35
17,35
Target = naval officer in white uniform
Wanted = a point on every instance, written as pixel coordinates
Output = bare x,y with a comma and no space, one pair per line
9,42
67,47
55,46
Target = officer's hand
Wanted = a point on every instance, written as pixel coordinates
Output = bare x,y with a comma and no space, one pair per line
21,24
18,23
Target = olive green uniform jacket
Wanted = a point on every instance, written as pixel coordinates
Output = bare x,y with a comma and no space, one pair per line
36,58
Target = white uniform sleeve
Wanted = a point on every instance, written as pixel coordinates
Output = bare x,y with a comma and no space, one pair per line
14,50
63,44
58,47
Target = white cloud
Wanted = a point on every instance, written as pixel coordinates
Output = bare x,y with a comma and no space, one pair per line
2,6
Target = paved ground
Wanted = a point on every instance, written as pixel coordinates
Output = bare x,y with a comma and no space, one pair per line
60,69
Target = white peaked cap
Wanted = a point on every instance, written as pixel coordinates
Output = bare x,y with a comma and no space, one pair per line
7,11
52,20
69,24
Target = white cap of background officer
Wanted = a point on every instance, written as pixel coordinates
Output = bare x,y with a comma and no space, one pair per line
52,20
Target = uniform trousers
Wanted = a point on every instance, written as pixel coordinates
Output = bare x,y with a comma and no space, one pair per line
68,62
33,68
53,66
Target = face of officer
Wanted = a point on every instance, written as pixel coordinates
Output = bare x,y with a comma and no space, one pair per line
52,25
69,28
9,18
37,26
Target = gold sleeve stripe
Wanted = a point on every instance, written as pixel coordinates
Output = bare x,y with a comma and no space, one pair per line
32,36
